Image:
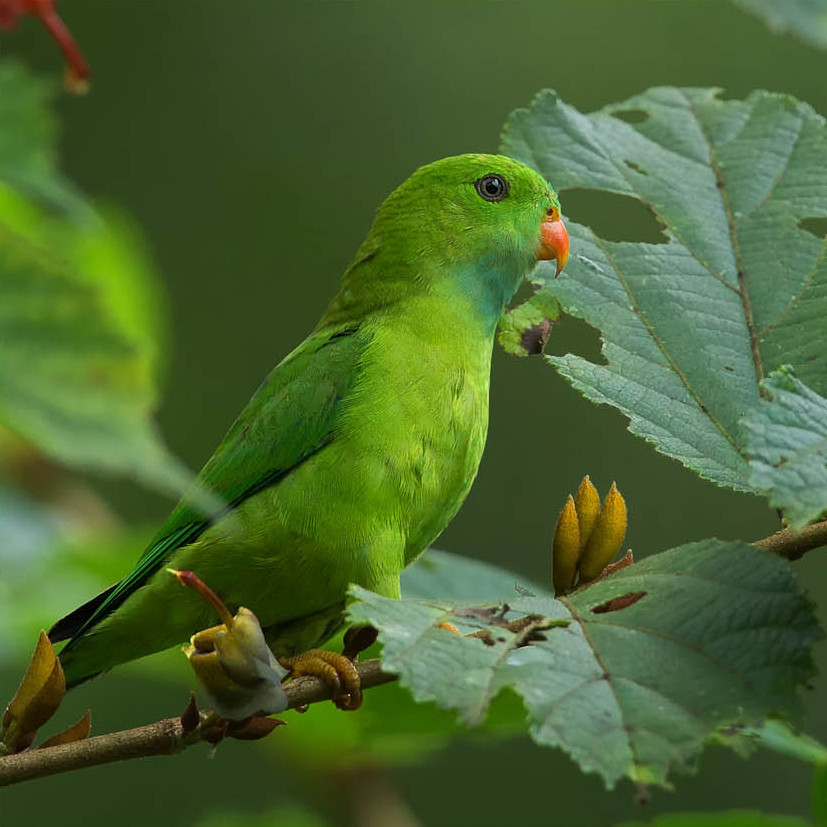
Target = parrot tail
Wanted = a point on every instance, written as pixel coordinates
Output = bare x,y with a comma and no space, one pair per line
67,627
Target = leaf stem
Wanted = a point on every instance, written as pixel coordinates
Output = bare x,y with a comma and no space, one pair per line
165,737
795,544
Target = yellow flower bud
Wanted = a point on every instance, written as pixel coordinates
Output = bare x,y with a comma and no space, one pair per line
565,548
232,660
606,536
587,503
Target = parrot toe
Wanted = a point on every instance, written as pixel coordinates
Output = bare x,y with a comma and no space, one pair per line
337,671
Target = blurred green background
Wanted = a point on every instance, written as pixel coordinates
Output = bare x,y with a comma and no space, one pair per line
253,141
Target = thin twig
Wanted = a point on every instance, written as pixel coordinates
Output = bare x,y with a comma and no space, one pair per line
165,737
168,737
794,544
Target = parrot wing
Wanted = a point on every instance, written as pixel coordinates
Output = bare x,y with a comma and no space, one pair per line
291,416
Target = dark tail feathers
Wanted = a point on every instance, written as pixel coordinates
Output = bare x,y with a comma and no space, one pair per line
70,625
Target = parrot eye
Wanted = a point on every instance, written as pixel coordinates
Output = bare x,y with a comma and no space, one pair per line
492,187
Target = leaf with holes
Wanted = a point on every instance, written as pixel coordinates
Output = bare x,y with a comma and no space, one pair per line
805,18
629,676
690,327
787,444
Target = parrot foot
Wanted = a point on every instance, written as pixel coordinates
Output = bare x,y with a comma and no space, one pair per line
337,671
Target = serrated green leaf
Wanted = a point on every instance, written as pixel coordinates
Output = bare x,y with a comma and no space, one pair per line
690,326
805,18
392,729
787,445
720,635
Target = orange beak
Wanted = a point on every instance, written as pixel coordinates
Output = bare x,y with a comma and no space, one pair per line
554,240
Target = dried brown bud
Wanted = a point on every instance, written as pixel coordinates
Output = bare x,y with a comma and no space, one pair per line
37,698
190,717
253,728
77,732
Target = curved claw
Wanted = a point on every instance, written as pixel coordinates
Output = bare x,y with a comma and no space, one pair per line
351,701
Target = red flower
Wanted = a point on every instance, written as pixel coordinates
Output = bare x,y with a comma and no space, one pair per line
77,69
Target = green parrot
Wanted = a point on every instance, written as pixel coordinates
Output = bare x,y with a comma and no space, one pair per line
361,445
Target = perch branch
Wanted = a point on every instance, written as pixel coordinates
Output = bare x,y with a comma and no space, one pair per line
165,737
794,544
168,737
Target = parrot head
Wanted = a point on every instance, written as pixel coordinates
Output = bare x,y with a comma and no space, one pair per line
473,205
472,225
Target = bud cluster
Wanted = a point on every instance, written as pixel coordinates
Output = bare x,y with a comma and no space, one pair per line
587,537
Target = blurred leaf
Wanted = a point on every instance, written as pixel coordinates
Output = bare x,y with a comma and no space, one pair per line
28,151
49,578
819,795
81,318
787,445
728,619
689,327
79,353
731,818
805,18
289,816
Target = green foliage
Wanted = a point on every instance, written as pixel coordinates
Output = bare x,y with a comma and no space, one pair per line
79,347
690,327
82,318
733,818
777,735
281,817
787,444
633,675
440,574
728,619
524,328
805,18
391,728
820,795
29,151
